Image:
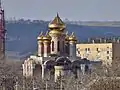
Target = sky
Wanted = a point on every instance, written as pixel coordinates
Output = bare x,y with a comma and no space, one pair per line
84,10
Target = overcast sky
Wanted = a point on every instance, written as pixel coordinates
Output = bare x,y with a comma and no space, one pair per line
71,9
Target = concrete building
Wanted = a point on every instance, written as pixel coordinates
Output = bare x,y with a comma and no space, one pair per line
106,51
56,54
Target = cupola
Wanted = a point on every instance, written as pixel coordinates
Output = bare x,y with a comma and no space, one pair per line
47,37
57,23
72,37
40,37
67,37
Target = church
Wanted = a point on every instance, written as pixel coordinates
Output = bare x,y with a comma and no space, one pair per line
56,55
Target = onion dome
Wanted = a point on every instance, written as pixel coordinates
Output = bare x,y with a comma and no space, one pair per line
67,37
72,37
47,36
57,23
55,32
40,37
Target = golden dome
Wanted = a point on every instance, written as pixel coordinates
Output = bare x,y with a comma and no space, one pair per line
57,23
67,37
40,37
72,37
47,37
56,32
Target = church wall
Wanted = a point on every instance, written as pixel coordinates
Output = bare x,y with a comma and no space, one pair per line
67,48
61,71
55,40
72,49
46,48
61,45
40,49
37,71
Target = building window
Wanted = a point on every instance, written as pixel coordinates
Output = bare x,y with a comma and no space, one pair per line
78,52
107,52
58,45
52,45
107,57
97,49
88,49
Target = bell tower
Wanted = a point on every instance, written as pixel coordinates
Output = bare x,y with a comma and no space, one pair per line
2,33
72,45
57,34
40,45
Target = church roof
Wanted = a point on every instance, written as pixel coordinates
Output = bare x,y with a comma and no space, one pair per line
47,36
72,37
57,22
67,37
40,37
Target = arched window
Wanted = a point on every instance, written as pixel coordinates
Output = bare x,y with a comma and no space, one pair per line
42,48
58,45
52,45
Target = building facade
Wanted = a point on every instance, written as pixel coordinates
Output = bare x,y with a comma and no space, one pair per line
56,54
107,52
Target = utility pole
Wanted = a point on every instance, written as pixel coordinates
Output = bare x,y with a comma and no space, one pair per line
16,83
77,85
33,84
24,83
61,86
4,83
46,85
16,86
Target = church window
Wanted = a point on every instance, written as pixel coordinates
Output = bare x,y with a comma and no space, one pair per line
58,45
97,49
107,52
52,45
